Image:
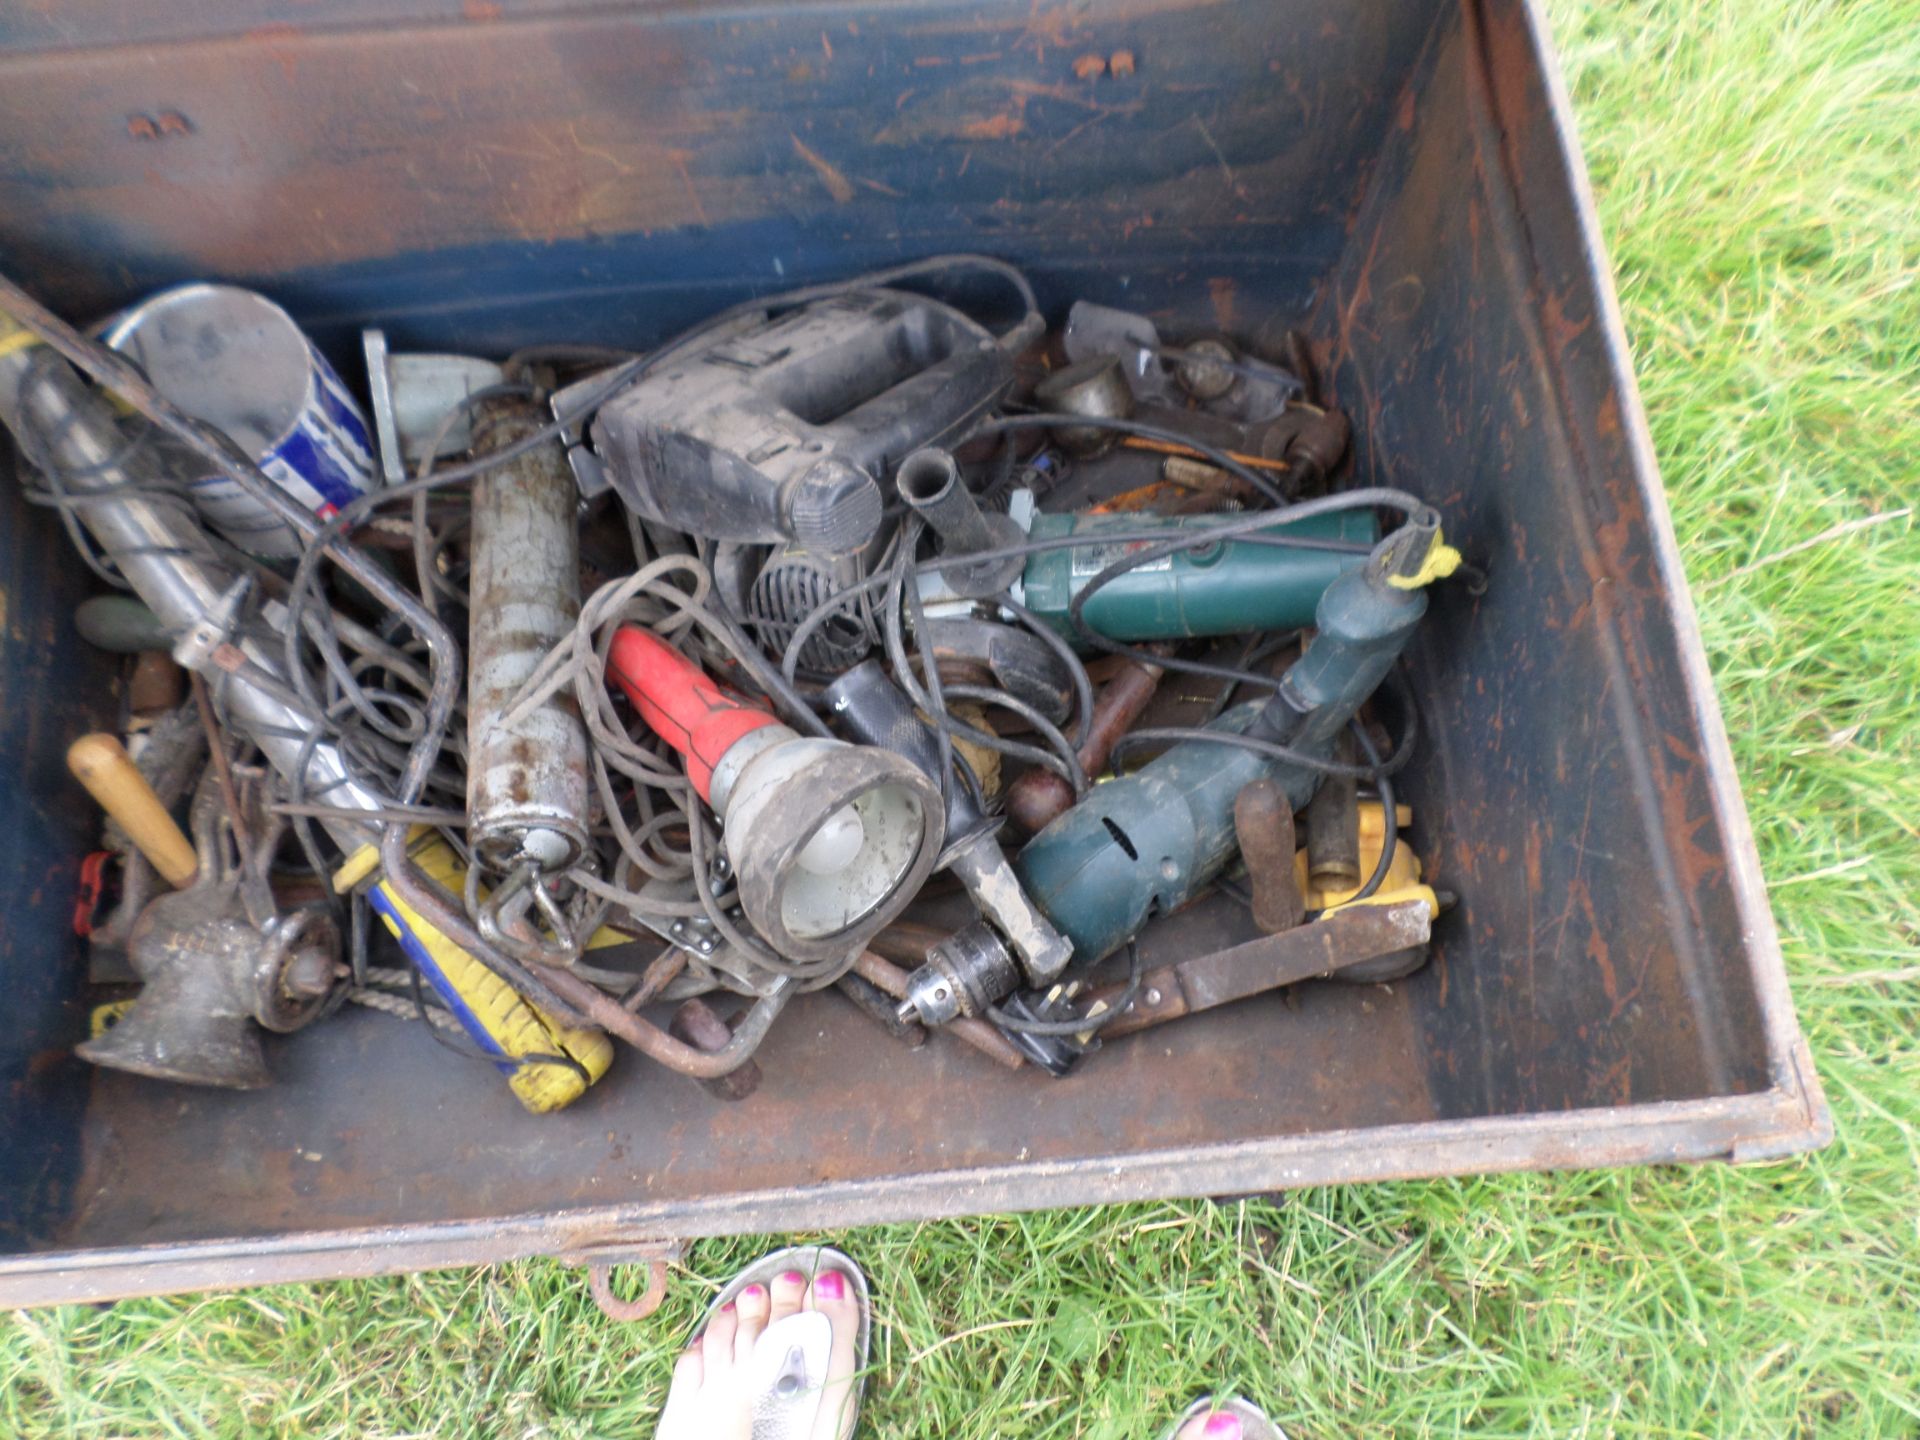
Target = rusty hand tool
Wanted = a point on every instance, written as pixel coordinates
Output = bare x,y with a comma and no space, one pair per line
1263,823
1038,797
1330,945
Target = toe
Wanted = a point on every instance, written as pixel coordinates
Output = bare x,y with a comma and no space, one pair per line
688,1373
716,1346
832,1295
688,1370
789,1294
751,1310
679,1417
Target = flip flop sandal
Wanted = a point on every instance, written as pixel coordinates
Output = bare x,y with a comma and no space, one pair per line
1254,1424
787,1375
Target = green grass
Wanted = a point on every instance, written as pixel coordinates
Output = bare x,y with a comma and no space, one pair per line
1755,167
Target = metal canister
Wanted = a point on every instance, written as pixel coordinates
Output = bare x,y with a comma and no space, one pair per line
527,789
238,361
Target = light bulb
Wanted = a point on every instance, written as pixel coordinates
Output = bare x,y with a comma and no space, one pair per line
835,844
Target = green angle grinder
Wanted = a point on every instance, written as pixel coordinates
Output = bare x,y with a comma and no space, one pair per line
1232,587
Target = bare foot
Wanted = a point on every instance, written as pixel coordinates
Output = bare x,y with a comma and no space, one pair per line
710,1399
1219,1426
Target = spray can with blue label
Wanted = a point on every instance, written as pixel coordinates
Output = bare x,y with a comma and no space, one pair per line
238,361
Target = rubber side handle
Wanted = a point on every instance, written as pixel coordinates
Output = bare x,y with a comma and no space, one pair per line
680,702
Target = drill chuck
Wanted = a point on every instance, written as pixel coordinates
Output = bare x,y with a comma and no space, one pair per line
964,974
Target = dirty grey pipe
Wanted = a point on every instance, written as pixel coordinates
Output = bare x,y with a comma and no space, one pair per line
929,481
21,310
527,785
160,548
164,554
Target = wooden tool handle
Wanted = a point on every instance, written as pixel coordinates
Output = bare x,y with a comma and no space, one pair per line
101,763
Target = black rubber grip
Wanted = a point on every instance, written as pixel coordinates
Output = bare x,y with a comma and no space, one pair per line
874,711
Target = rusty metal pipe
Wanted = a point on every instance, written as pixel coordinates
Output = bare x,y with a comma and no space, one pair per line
885,975
1039,797
604,1011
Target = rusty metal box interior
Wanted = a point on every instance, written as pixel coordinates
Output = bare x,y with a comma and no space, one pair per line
1394,176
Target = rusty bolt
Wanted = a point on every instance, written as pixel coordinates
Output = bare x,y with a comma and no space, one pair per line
309,972
1090,67
1121,65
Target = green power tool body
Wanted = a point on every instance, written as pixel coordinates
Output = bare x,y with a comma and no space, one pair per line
1232,587
1147,843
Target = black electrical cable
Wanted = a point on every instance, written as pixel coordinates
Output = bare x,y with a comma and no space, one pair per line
1122,1003
334,531
1076,667
1389,816
1189,735
986,695
1182,734
928,700
935,702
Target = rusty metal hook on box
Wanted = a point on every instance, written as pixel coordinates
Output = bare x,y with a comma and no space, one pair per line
600,1255
600,1286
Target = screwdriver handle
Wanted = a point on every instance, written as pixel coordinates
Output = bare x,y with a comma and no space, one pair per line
548,1065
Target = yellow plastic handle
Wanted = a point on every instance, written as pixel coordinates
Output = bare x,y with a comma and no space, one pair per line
548,1065
101,763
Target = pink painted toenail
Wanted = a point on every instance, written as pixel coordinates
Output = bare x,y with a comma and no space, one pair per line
1223,1427
727,1309
793,1277
698,1336
756,1292
831,1285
